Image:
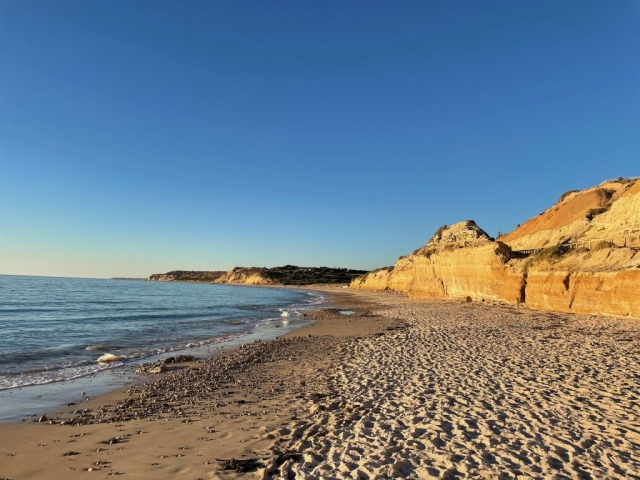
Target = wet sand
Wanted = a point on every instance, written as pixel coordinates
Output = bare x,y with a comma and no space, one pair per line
401,389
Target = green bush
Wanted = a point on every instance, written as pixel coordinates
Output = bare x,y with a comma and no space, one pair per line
566,194
607,193
601,246
438,235
593,212
552,253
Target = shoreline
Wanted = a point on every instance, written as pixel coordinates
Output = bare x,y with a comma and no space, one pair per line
23,402
54,395
52,433
403,388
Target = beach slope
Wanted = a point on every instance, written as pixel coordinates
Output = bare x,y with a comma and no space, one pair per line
403,388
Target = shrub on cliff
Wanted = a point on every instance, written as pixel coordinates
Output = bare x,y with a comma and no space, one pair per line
424,251
550,254
601,245
438,235
594,212
566,194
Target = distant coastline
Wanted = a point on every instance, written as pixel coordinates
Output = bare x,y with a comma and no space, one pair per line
288,275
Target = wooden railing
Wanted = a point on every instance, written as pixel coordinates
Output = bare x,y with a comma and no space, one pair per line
528,252
620,242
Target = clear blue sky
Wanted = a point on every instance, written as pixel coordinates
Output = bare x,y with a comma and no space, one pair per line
143,136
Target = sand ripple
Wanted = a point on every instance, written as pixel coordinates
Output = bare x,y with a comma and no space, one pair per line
472,391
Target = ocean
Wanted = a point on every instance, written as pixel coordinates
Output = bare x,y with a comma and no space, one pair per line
59,329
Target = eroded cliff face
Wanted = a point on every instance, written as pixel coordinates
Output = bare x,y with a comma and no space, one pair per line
601,293
608,211
458,262
589,278
601,275
483,272
605,281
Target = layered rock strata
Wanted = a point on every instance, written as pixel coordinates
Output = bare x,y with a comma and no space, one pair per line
591,263
458,262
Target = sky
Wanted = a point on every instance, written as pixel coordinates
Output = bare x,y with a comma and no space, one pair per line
139,137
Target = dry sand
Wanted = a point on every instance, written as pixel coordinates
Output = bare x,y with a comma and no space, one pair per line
402,389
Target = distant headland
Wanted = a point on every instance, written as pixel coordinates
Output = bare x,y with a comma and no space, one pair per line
286,275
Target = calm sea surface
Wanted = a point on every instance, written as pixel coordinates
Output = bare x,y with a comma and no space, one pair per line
54,329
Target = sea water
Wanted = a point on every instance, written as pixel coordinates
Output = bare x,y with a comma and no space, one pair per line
59,329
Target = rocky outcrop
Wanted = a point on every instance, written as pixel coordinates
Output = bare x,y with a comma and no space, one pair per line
458,262
589,262
287,275
483,272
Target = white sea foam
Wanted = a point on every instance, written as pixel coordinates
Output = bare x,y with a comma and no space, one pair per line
37,372
97,347
109,357
316,298
51,375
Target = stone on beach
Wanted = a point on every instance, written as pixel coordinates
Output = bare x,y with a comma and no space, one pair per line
402,389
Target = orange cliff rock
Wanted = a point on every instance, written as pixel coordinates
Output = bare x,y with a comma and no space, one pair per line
458,262
599,281
600,275
609,211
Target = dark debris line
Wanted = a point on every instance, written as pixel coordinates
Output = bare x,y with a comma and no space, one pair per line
178,391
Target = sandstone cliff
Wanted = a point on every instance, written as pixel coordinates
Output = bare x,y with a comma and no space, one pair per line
608,211
589,260
599,281
458,262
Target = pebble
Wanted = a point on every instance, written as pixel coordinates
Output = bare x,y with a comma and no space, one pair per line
176,391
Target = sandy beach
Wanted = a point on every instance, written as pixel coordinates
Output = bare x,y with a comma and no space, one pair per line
400,389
